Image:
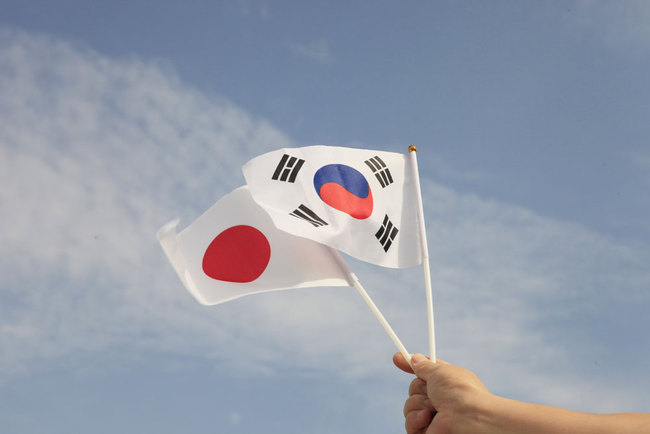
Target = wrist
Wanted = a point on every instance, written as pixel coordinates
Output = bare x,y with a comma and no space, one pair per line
480,415
493,414
507,416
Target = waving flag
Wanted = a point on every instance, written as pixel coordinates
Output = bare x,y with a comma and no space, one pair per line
234,249
359,201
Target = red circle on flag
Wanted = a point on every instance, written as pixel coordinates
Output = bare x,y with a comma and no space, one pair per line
239,254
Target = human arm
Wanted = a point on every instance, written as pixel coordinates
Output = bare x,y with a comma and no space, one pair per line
462,404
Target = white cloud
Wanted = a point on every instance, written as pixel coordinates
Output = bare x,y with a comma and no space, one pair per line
619,24
95,156
97,153
642,161
318,51
235,418
254,9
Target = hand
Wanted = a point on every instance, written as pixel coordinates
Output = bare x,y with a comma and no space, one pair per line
448,399
443,399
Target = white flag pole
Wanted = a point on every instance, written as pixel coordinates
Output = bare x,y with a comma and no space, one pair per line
425,252
354,280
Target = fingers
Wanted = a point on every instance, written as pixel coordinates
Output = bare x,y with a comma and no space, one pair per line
423,367
402,363
418,386
416,403
418,411
417,421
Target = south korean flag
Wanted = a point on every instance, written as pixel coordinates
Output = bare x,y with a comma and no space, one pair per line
359,201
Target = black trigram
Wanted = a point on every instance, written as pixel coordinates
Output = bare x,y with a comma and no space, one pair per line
302,212
380,170
386,233
288,168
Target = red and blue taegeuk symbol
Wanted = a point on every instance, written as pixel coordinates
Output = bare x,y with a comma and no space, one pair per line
345,189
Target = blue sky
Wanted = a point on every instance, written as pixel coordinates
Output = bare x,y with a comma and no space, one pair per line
532,120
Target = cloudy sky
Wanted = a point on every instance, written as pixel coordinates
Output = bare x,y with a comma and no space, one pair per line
533,125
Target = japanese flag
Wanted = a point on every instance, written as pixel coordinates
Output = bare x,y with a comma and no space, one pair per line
234,249
359,201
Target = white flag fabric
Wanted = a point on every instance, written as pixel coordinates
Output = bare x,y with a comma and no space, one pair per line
359,201
234,249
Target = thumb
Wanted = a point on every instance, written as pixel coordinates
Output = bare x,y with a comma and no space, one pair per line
422,366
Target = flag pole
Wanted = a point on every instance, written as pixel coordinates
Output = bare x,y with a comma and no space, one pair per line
354,280
425,252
